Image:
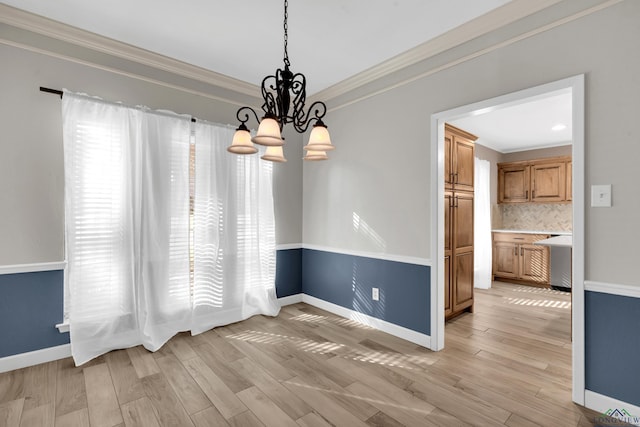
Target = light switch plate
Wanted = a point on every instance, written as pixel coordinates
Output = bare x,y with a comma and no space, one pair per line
375,294
601,196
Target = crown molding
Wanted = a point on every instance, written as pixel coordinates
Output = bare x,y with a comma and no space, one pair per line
56,30
497,18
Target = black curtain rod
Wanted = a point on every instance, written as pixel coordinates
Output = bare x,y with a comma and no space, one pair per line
60,93
49,90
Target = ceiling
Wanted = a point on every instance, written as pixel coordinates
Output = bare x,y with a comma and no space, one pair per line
329,40
525,125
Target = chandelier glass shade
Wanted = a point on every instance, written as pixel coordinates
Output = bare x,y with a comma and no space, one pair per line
284,95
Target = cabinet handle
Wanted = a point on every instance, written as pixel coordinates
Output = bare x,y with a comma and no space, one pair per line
456,178
516,251
533,194
526,194
456,204
521,251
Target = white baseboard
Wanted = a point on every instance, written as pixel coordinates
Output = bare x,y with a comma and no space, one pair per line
291,299
601,403
382,325
23,360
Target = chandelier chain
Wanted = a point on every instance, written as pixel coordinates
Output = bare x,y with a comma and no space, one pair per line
286,34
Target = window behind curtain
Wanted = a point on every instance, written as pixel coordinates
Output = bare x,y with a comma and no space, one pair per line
98,226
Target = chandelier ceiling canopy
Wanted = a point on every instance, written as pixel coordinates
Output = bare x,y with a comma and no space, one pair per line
284,96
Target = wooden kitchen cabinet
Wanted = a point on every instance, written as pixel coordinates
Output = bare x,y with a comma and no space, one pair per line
516,259
548,182
513,183
459,159
535,181
458,221
458,252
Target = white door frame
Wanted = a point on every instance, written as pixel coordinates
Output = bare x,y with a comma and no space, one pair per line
574,85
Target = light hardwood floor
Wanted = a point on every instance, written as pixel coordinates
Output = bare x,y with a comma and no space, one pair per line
509,363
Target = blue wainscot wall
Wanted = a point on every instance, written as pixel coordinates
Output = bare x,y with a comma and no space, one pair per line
347,281
31,304
612,346
288,272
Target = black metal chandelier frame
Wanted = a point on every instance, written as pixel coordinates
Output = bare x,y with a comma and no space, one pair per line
284,96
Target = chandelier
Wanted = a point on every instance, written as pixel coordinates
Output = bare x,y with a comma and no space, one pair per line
284,97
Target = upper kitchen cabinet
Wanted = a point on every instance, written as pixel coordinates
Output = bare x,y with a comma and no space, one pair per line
459,159
513,182
535,181
548,181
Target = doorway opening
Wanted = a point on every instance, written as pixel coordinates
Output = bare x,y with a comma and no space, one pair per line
575,87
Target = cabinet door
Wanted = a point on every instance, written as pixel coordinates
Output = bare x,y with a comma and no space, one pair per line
463,162
569,178
548,182
462,251
463,280
448,161
534,263
462,226
448,308
505,259
513,184
448,244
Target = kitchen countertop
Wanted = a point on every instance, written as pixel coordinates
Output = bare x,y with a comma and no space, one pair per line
561,241
555,233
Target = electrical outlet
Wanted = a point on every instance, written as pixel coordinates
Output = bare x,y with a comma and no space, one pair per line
375,294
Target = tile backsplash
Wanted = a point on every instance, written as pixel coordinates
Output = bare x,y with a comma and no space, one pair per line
533,216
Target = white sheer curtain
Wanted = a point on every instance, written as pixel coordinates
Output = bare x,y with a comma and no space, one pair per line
482,259
234,233
127,229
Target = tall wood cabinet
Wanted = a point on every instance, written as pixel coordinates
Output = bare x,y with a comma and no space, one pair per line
458,219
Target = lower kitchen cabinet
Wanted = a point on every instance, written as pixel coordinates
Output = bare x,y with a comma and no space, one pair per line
516,259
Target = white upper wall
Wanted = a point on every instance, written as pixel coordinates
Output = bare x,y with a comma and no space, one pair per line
374,196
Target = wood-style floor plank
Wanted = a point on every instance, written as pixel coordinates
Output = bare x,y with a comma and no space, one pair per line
125,379
508,363
312,419
291,404
209,417
190,394
40,416
214,388
104,409
71,393
265,409
166,405
79,418
11,412
143,361
40,385
139,413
